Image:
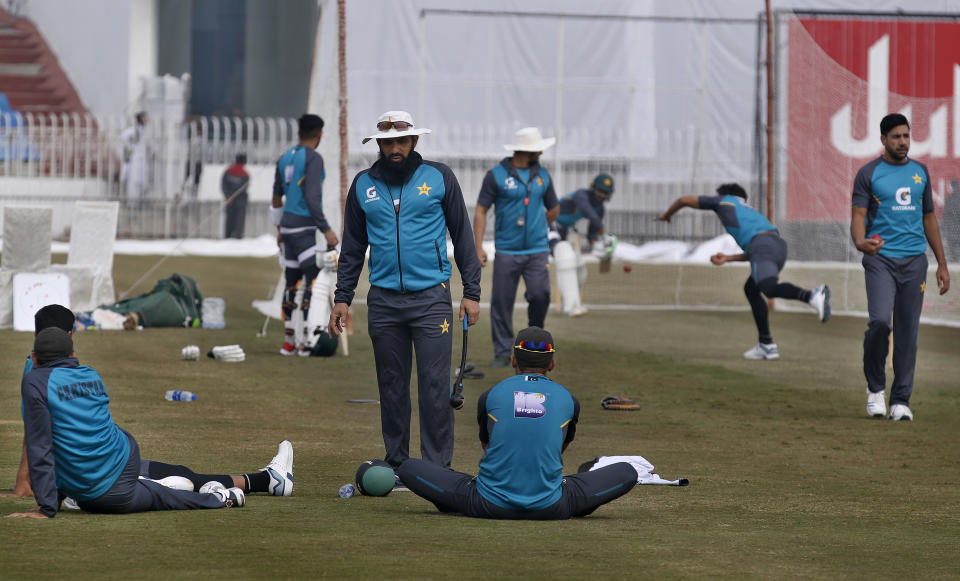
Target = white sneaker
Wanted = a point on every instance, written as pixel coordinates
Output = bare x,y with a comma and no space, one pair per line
231,497
280,470
211,487
70,503
876,406
175,482
763,351
577,311
820,301
898,411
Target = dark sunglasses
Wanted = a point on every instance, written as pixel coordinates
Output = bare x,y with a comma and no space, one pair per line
398,125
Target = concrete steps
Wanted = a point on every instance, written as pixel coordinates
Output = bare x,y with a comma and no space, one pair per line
30,75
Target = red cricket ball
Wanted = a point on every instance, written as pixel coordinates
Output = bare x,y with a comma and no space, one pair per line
627,268
876,237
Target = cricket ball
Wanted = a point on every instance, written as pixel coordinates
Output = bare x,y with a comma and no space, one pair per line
876,237
627,268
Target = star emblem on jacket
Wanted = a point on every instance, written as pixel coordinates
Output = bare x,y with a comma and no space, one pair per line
917,179
424,190
444,327
923,287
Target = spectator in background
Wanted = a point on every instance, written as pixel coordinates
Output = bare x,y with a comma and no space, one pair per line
234,187
135,159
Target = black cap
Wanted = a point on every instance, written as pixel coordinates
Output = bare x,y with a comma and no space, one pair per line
533,348
53,316
51,344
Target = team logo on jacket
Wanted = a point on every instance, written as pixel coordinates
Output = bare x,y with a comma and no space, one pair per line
372,195
423,190
528,405
510,183
444,327
539,181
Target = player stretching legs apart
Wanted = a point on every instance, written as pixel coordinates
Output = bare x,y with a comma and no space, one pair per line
893,204
767,253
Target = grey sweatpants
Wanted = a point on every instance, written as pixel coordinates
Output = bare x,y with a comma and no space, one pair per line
452,491
507,270
894,288
131,494
400,323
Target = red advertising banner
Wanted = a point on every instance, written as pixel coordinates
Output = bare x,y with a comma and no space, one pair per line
844,75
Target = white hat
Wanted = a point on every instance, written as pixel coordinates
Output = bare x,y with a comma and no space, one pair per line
401,116
529,139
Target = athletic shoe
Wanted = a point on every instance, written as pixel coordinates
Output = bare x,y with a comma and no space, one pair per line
70,503
763,351
876,406
288,348
175,482
211,487
303,351
399,486
280,470
898,411
500,362
231,497
577,311
820,301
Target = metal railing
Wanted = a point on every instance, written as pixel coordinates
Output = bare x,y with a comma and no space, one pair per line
60,158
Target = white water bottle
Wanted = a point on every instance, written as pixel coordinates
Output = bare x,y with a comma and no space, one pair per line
179,395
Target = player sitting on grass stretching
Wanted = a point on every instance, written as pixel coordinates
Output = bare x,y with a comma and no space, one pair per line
75,449
526,422
767,253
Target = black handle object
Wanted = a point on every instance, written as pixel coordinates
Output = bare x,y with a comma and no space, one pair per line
456,397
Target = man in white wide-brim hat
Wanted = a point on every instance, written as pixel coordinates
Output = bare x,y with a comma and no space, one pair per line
402,208
526,204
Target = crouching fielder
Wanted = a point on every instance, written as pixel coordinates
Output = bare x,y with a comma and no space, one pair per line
582,205
526,422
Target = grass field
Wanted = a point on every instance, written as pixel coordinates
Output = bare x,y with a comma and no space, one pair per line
789,478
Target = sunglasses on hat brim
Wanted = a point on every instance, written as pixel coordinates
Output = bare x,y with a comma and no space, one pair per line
398,125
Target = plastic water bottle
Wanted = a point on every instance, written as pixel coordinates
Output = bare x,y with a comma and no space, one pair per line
347,490
179,395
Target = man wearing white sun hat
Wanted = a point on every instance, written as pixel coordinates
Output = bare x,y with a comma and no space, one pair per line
401,208
526,204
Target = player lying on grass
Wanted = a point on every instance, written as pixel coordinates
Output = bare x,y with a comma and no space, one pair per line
75,449
526,422
767,253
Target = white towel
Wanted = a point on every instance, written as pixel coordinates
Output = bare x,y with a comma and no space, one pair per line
644,468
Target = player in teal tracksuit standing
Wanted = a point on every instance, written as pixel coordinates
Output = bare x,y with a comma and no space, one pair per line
526,422
767,253
525,204
893,220
401,209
